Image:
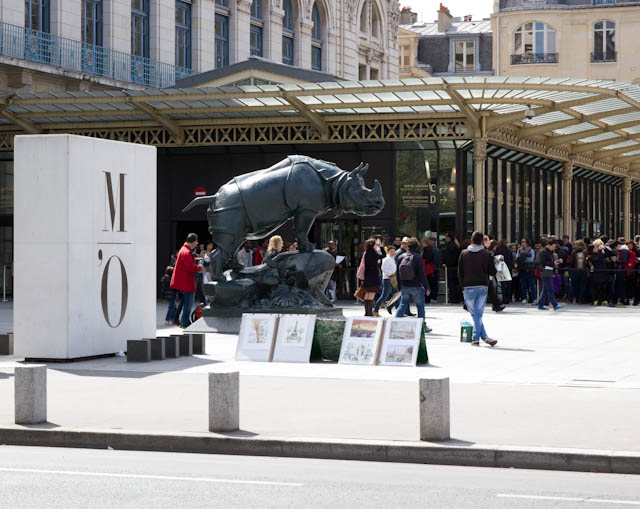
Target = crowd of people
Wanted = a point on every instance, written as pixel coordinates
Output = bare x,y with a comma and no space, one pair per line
601,271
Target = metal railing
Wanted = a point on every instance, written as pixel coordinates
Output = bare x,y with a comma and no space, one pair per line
41,47
534,58
604,56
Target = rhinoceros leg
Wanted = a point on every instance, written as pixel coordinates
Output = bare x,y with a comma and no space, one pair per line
303,219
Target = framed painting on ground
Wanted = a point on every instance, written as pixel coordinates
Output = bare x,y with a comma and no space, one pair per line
400,342
294,339
361,340
256,338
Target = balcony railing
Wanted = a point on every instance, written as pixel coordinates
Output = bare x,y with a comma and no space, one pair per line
604,56
44,48
535,58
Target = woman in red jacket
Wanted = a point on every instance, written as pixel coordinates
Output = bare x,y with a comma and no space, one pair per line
183,278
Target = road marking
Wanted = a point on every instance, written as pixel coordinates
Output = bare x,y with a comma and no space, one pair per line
157,477
570,499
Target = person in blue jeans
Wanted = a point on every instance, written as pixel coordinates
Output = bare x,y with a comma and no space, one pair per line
412,280
547,264
389,270
475,266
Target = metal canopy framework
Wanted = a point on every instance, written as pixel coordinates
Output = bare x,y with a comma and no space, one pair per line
594,123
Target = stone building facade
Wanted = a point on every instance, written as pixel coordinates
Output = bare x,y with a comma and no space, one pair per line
86,44
596,39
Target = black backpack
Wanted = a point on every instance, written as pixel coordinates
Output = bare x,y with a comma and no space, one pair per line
406,270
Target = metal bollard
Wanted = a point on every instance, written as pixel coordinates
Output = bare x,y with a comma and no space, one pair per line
224,401
435,414
31,394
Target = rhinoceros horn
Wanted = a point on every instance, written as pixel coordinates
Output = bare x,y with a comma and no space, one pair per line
377,188
356,171
363,169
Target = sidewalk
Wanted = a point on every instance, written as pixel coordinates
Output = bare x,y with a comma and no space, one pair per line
569,379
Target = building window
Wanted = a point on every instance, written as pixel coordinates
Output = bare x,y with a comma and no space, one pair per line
183,34
36,15
604,42
223,3
362,72
370,19
464,56
373,74
534,43
92,22
375,21
364,26
288,33
140,28
222,40
257,23
316,39
603,2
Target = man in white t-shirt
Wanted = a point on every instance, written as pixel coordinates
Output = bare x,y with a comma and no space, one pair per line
389,269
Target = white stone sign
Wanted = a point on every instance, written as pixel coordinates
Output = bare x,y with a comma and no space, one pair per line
85,245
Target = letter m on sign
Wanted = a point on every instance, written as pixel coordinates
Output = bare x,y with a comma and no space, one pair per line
114,201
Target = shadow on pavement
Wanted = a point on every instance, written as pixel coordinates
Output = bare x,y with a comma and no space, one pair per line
44,425
6,375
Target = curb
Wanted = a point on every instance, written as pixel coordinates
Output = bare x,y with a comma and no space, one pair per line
238,443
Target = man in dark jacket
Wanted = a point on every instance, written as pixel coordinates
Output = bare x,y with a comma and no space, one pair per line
547,263
474,268
450,255
413,280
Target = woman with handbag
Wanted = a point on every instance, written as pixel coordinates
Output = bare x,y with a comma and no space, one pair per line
371,275
389,279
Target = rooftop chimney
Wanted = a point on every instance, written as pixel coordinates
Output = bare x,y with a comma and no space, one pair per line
444,19
407,16
467,18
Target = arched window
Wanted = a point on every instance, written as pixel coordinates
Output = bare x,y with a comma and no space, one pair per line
288,33
604,42
534,43
316,39
257,24
364,25
375,21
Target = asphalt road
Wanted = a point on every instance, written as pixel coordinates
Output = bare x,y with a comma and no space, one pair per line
32,477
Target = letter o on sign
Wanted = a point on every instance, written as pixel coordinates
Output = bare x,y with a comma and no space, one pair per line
104,292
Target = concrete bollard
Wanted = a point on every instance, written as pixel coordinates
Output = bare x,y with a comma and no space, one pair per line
435,415
186,345
138,350
224,401
158,349
31,394
172,346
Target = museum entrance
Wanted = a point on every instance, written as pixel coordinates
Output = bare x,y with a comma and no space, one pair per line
346,234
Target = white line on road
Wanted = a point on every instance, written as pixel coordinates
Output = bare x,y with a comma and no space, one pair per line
158,477
570,499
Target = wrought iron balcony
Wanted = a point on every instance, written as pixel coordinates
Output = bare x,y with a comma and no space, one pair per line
604,56
535,58
41,47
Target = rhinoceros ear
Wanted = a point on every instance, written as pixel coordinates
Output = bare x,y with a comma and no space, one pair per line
363,169
356,171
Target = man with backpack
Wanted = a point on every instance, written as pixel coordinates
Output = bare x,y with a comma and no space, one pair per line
413,280
474,268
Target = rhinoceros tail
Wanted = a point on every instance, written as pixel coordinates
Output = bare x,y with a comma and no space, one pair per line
203,200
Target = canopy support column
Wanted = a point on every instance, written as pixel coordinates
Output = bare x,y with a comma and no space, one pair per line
567,183
626,208
479,158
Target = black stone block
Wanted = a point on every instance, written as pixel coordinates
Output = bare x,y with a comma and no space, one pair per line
158,349
198,344
6,344
186,345
138,350
172,347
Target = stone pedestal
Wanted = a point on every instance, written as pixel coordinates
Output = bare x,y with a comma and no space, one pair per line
158,349
6,344
91,205
138,350
31,394
224,401
434,409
